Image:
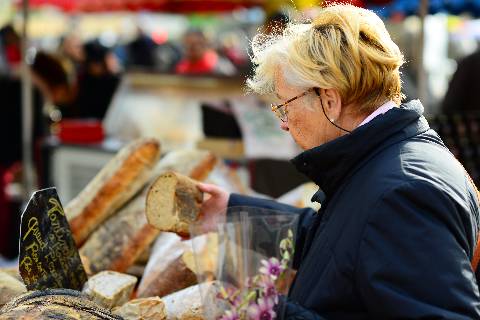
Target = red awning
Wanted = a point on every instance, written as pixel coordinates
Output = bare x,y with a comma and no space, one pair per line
153,5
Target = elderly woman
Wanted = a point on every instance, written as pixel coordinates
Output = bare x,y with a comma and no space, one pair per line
397,229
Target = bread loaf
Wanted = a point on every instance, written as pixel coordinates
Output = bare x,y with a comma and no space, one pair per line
54,304
194,163
113,186
110,289
118,242
169,269
122,238
188,304
142,309
173,203
10,288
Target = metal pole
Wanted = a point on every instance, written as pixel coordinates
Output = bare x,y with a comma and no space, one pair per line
27,110
422,81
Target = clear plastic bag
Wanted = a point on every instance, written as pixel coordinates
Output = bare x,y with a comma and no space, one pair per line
248,252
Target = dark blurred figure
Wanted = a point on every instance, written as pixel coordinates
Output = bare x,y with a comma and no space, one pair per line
51,78
141,51
11,46
86,97
98,83
200,58
465,85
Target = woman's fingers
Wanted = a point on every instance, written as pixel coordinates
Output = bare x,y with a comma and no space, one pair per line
208,188
217,201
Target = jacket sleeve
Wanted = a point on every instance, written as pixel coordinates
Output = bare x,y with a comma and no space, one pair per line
306,216
414,258
290,310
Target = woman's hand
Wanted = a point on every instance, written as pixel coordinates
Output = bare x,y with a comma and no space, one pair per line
216,201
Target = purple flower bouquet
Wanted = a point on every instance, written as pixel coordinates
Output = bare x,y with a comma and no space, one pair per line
248,254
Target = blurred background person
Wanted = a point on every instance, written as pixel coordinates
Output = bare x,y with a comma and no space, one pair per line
11,48
141,51
50,77
201,58
462,92
99,81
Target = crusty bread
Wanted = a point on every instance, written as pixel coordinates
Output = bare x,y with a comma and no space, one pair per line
187,304
113,186
173,203
169,269
142,309
118,242
110,289
194,163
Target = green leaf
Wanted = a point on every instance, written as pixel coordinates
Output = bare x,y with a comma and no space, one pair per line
290,233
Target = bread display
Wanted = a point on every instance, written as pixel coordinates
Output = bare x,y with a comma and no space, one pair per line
130,205
127,234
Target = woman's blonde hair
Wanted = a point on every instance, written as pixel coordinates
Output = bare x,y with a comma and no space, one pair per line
346,48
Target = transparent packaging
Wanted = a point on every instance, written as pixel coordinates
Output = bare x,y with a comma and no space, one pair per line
243,259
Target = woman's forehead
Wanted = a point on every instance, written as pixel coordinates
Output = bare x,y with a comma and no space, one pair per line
282,87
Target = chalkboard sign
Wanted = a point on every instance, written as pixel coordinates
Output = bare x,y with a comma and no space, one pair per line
48,255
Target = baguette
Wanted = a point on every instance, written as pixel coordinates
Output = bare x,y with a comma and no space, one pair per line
173,203
118,242
194,163
113,186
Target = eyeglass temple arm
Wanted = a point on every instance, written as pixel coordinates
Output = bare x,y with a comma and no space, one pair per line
317,91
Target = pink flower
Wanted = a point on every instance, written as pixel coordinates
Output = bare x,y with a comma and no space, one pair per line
268,289
263,310
272,268
230,315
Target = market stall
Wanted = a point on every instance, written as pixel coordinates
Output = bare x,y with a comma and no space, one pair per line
112,243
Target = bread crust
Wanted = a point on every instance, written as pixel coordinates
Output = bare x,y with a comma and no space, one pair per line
118,242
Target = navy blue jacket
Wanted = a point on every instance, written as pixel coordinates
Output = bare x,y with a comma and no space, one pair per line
396,230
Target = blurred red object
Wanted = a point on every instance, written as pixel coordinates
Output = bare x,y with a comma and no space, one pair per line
139,5
80,131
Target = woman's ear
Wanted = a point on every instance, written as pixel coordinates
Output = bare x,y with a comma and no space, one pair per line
332,102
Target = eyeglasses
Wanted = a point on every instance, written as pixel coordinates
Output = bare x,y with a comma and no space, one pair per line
281,109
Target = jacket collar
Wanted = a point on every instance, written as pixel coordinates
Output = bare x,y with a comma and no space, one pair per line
330,163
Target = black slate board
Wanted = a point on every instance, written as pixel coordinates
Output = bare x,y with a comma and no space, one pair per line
48,255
